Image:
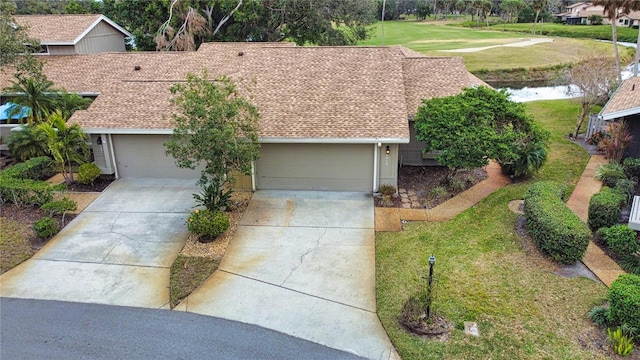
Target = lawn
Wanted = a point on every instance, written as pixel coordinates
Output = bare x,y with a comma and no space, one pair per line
602,32
432,38
485,275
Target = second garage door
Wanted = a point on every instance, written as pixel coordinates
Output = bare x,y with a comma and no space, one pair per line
337,167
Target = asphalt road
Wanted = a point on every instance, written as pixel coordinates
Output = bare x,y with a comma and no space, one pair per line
39,329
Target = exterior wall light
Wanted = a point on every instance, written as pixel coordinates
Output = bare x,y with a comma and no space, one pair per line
388,151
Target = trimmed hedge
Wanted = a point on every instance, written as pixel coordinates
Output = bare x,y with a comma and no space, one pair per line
88,173
19,184
556,230
624,300
622,240
604,208
208,223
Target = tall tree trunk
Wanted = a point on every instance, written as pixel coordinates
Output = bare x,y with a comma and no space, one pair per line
535,21
583,114
635,63
614,37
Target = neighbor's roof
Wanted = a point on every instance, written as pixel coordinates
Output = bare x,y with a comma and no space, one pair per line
634,15
301,92
625,101
64,29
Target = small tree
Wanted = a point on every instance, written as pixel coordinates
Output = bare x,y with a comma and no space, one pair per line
594,79
67,144
214,126
477,125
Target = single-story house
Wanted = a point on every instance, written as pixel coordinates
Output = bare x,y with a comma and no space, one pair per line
332,118
625,105
74,34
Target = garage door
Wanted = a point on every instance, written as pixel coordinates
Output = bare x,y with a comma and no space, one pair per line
143,156
339,167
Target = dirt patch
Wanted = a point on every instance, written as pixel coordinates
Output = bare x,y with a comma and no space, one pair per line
421,187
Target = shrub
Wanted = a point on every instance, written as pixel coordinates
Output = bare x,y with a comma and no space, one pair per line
88,173
604,208
213,196
631,264
621,343
387,189
622,240
59,206
208,223
38,168
439,192
46,227
556,230
25,191
27,143
624,301
626,187
600,316
610,173
631,168
600,237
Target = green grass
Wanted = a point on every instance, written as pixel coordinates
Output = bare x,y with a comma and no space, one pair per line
14,244
602,32
484,275
187,274
432,38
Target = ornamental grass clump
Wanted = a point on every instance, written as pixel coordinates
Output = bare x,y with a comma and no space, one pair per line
207,224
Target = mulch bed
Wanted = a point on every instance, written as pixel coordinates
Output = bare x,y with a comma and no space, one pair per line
423,179
27,215
99,185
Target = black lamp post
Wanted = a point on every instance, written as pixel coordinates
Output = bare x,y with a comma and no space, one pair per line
432,261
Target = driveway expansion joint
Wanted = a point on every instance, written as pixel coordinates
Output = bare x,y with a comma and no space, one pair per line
297,291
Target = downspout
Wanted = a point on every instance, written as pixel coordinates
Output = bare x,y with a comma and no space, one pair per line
375,166
113,156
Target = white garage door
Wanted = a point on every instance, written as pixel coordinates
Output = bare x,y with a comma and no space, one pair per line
144,156
339,167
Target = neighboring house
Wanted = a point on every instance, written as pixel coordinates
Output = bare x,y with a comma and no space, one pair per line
625,105
631,19
579,13
332,118
74,34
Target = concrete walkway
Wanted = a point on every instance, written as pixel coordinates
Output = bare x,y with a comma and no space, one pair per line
302,263
116,252
595,259
390,219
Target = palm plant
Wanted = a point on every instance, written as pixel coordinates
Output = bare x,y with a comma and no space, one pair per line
629,6
35,93
537,6
68,103
67,144
611,9
27,143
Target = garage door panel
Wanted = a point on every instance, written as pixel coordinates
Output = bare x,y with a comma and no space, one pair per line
139,156
315,167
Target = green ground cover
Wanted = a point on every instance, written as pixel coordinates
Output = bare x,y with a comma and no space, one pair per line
14,244
602,32
433,38
486,275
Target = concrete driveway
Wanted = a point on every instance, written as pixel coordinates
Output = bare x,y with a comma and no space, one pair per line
117,251
302,263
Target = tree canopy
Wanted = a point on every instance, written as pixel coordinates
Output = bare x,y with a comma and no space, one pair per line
215,128
477,125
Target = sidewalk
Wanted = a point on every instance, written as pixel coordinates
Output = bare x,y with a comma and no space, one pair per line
390,219
595,259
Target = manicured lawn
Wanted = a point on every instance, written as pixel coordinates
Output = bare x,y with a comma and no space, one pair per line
14,244
602,32
431,38
485,275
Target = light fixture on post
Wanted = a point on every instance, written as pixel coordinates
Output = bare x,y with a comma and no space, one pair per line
388,151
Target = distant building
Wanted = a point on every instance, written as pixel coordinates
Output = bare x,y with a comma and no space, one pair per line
74,34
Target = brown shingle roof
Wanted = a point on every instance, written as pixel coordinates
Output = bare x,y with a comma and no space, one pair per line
60,29
301,92
625,100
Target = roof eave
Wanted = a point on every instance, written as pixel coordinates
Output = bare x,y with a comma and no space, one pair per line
283,140
620,113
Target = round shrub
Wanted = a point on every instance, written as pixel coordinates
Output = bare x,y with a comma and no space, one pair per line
604,208
208,223
88,173
624,301
631,167
622,240
46,227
